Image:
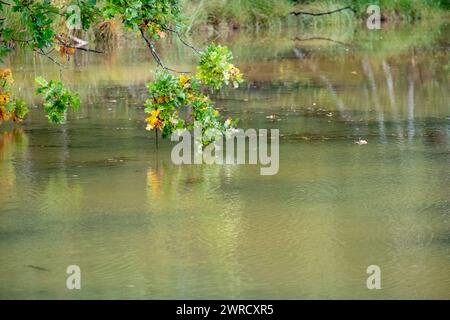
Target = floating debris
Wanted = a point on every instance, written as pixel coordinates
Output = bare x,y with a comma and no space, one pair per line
37,268
361,142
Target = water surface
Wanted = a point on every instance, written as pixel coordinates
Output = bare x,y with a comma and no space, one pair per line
96,192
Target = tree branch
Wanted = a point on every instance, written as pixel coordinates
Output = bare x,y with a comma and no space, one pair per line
297,13
17,40
86,49
322,38
155,54
181,39
42,52
77,47
152,49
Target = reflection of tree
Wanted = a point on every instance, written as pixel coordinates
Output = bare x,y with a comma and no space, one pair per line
60,195
393,103
376,102
342,108
11,142
175,185
14,138
193,226
410,101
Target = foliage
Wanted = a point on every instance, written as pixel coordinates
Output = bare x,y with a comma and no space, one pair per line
151,15
57,99
215,67
235,13
5,34
167,96
42,18
38,17
409,9
171,96
89,12
3,52
175,102
10,109
272,13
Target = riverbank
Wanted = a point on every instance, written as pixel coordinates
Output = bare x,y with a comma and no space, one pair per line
236,14
219,17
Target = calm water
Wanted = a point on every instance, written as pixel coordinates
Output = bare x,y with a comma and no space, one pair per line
97,193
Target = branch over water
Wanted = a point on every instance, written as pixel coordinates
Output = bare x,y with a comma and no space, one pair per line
297,13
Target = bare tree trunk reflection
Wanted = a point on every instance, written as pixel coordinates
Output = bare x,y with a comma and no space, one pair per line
394,109
376,102
340,104
411,106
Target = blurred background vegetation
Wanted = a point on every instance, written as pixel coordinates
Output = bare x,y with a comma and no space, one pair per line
201,15
263,13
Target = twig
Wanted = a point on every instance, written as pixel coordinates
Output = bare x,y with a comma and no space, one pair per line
178,35
86,49
322,38
152,49
16,40
5,3
155,54
297,13
181,39
42,52
77,47
187,44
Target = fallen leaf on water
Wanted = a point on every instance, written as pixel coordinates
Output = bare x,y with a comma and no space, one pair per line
360,142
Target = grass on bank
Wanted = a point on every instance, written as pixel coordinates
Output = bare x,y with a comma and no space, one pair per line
265,13
257,14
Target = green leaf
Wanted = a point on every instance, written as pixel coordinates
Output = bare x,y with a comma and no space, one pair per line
57,99
41,81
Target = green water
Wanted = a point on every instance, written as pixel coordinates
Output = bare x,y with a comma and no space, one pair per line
96,192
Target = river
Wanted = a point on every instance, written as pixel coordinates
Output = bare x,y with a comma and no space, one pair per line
97,192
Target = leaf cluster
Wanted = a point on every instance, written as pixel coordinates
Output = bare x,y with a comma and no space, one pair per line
13,109
57,99
151,15
215,68
171,96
